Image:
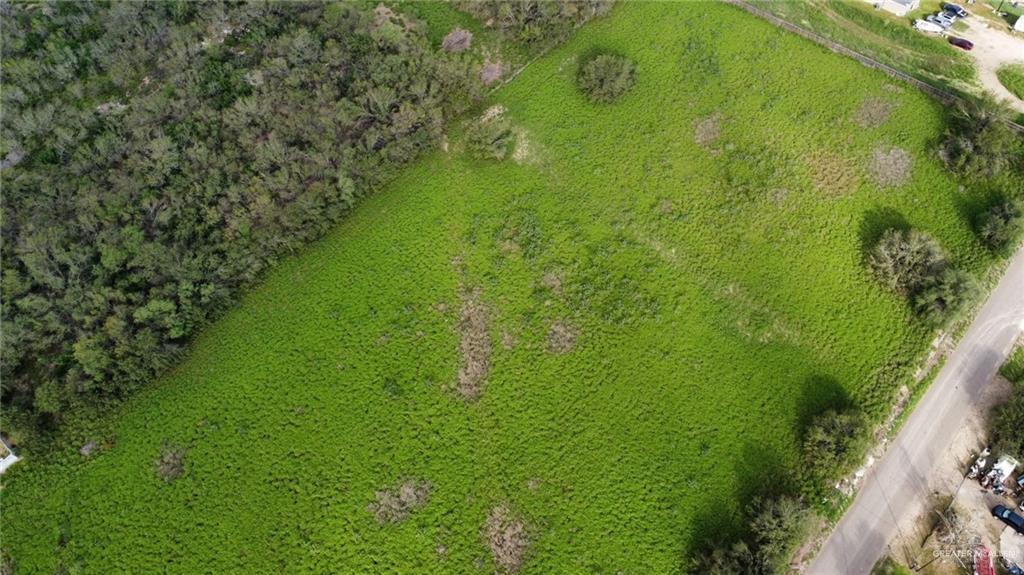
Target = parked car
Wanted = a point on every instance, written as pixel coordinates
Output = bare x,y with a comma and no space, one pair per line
941,20
1011,567
961,43
1008,517
955,10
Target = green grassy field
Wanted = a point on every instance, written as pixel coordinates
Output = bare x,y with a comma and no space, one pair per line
1012,76
716,293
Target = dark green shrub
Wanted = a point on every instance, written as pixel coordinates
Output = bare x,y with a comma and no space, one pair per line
944,296
832,447
904,260
978,142
605,78
1001,225
777,526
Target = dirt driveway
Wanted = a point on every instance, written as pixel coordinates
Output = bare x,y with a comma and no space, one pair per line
994,48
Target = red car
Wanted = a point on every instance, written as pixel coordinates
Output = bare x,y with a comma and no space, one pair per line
961,43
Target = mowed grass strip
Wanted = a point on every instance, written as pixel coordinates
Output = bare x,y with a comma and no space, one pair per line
673,286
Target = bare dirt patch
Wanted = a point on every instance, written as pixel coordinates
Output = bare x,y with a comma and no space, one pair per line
873,112
474,345
490,73
495,111
458,40
171,463
507,538
890,166
832,174
707,130
561,337
552,281
666,207
395,505
508,341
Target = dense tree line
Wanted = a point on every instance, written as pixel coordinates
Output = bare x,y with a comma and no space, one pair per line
156,157
170,151
536,24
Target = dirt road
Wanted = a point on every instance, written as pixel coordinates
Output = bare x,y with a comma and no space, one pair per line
894,486
994,48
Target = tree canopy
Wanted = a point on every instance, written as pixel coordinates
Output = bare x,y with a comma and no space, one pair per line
158,156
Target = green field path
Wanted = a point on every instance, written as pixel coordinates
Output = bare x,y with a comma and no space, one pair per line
717,291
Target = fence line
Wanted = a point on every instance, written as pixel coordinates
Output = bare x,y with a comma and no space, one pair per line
942,95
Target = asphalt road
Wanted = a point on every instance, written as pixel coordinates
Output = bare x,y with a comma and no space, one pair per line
890,488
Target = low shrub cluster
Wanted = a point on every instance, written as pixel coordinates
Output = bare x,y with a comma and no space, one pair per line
978,143
1001,225
832,446
606,77
911,263
490,137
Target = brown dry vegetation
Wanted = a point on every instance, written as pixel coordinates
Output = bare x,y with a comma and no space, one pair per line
474,345
171,463
508,341
890,167
507,538
458,40
873,112
832,174
552,281
394,505
490,73
707,130
561,337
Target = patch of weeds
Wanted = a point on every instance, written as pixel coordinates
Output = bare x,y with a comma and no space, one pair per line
520,232
607,283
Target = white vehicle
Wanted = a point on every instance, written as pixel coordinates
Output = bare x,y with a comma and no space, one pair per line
927,27
943,20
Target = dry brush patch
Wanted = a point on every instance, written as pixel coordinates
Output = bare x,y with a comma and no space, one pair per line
561,337
395,505
873,112
890,166
458,40
507,538
832,174
474,345
171,463
708,130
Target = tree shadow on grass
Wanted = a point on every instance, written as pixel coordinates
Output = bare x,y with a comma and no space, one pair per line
973,206
760,472
875,223
820,393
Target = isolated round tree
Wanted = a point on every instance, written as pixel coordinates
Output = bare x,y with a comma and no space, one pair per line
606,78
